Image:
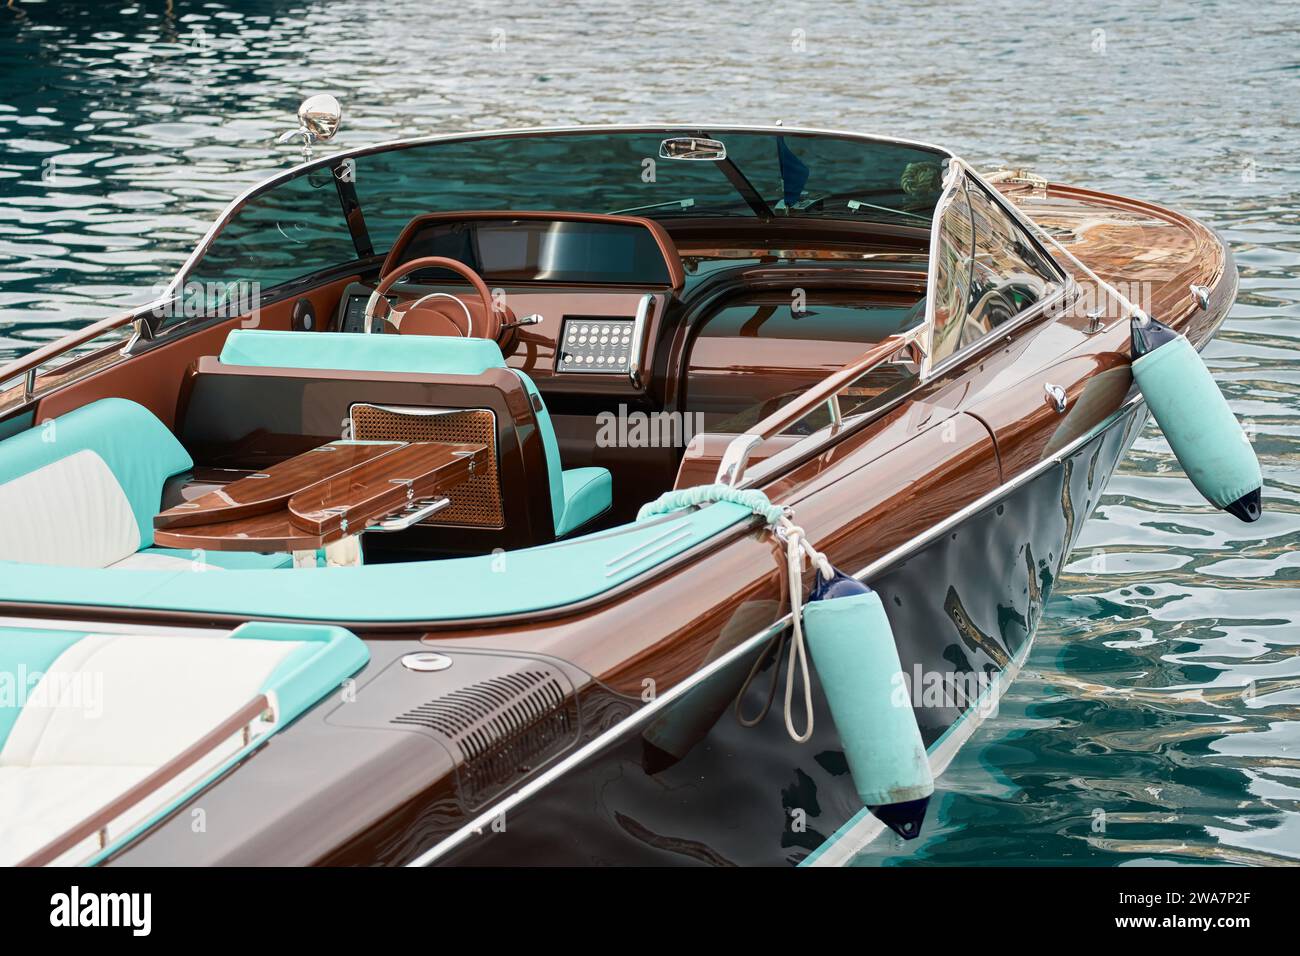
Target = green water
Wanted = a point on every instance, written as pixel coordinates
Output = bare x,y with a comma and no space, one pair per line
1158,716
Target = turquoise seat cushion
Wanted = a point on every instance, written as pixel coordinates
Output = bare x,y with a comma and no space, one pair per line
547,577
577,495
426,354
588,493
546,431
138,449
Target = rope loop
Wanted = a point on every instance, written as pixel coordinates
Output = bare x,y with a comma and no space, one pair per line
792,537
750,498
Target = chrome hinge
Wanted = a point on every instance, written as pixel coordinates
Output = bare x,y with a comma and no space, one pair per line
142,331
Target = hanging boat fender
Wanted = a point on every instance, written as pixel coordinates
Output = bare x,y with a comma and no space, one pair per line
845,627
1190,409
853,648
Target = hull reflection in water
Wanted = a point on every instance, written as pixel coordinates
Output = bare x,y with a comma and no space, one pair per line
753,797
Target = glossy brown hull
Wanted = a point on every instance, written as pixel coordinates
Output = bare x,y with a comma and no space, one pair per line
961,503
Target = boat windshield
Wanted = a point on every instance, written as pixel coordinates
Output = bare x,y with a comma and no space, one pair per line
296,226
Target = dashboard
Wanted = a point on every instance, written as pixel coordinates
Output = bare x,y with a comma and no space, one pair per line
598,283
540,250
588,339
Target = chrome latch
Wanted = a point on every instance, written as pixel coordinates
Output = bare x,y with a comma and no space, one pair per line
1095,324
412,514
1201,294
1056,395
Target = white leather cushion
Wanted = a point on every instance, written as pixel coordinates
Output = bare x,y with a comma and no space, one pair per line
109,711
128,700
38,804
71,512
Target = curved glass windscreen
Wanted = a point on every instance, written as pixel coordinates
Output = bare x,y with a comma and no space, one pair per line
546,250
291,230
986,271
297,227
764,174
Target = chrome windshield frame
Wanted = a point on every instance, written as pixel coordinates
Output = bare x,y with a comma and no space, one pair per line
1066,287
735,458
148,333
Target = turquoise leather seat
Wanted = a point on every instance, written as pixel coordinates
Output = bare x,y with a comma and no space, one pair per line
577,494
81,490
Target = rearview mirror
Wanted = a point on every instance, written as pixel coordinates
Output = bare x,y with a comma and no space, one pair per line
693,148
320,114
318,121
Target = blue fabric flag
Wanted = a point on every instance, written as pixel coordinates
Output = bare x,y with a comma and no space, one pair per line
794,174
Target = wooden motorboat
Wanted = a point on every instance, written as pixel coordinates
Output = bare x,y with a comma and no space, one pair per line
444,508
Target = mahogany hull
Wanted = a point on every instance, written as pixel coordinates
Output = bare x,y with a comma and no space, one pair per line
960,506
752,796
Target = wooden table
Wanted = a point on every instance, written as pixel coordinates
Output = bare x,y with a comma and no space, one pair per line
324,498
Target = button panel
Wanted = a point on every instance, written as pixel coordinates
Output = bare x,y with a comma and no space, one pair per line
595,344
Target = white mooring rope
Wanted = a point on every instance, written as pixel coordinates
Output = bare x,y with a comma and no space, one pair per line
796,548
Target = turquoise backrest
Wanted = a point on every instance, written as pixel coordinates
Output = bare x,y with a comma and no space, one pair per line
427,354
137,448
554,472
422,354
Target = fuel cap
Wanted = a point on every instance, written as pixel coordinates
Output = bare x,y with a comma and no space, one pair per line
426,661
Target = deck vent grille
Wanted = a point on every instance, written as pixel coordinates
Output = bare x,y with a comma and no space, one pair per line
501,728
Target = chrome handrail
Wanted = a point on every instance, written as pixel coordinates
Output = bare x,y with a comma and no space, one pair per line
27,366
639,324
731,470
240,722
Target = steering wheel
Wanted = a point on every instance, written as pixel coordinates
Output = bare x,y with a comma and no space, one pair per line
439,313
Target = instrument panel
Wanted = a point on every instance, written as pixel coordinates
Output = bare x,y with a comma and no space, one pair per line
352,311
587,338
595,343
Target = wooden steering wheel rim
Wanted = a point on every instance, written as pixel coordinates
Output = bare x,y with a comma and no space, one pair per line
386,283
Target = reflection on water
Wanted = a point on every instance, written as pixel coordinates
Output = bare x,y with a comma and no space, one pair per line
1156,718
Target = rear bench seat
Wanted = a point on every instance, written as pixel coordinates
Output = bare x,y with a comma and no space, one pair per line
99,713
81,490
